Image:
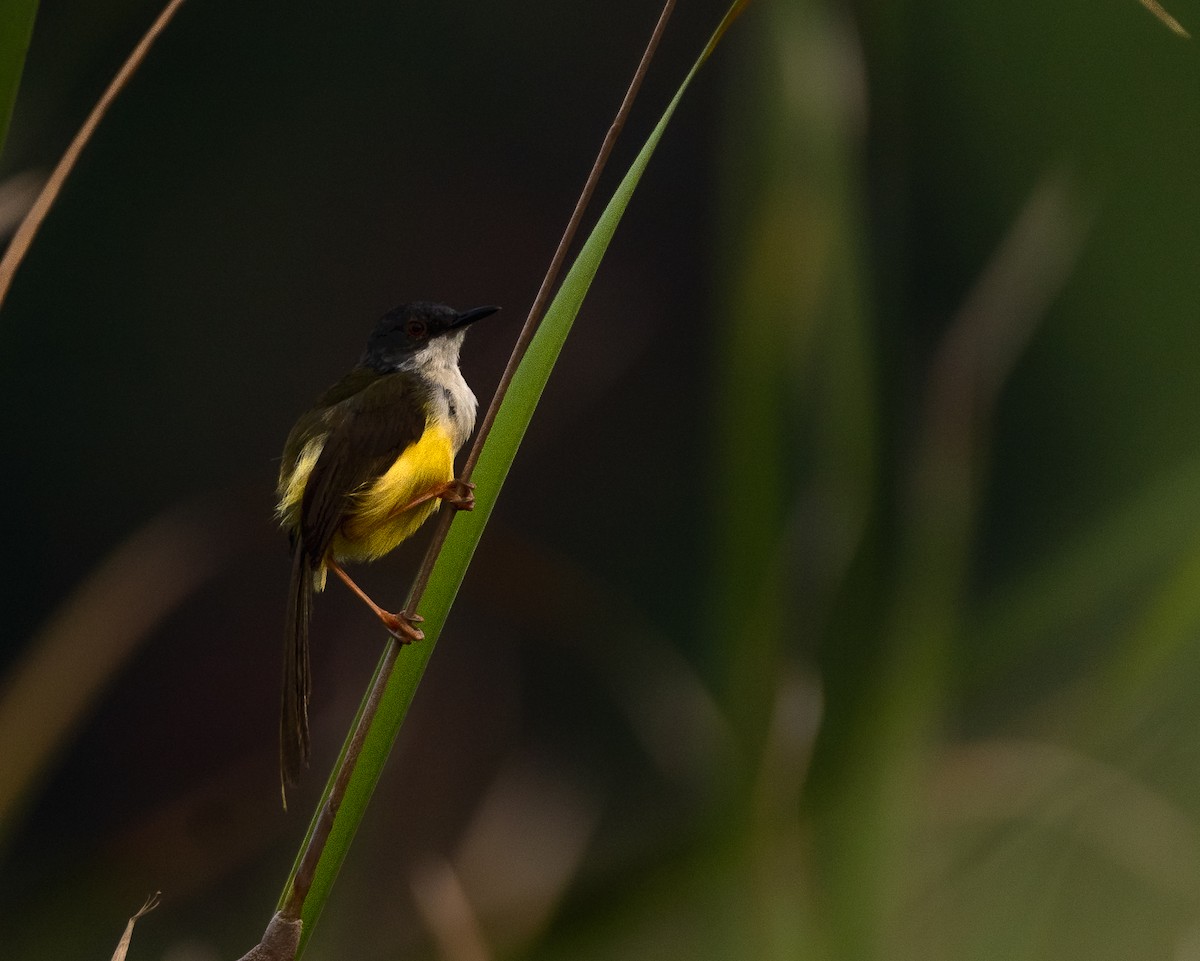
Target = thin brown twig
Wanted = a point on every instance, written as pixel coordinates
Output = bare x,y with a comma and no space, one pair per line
560,255
306,869
1169,21
538,309
127,937
23,238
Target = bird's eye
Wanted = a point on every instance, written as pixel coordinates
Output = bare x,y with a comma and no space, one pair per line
415,329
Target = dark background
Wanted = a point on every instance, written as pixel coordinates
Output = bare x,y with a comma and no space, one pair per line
800,630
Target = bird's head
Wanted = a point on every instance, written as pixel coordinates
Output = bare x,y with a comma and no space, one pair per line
416,334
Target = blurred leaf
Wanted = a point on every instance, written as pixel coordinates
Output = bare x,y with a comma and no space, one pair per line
25,234
51,688
1169,21
793,351
1162,634
885,712
1079,583
795,431
16,27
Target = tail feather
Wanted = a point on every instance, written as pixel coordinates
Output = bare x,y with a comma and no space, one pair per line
293,718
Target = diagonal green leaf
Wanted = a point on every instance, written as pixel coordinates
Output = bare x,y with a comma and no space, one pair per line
16,27
494,462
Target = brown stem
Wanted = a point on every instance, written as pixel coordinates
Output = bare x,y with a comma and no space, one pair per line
306,869
534,319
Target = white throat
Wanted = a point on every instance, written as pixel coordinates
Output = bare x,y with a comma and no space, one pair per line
452,400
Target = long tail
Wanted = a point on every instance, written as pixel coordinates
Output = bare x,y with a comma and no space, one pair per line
293,718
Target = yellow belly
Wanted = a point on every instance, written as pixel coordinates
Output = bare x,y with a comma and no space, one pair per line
375,523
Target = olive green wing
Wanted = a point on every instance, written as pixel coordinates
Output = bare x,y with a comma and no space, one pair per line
367,431
362,423
315,424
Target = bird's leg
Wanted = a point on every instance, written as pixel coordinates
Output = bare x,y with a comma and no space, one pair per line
457,493
402,626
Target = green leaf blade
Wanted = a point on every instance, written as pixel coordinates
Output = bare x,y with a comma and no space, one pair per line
490,472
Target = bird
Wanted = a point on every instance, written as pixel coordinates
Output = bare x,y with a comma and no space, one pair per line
362,470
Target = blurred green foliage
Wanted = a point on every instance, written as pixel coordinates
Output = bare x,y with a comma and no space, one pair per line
843,601
16,24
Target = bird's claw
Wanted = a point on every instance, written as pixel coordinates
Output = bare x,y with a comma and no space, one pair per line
459,494
403,627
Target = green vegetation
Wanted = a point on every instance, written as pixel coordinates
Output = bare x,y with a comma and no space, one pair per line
842,599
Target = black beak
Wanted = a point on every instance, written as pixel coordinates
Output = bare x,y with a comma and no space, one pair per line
470,316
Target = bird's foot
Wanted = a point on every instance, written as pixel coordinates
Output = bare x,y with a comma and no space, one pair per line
403,626
459,494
